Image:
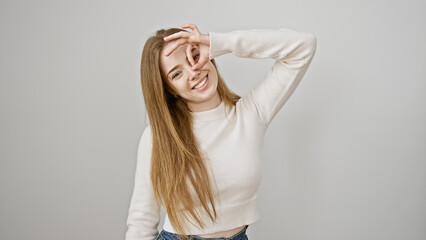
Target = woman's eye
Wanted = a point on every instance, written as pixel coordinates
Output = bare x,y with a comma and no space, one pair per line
175,75
196,56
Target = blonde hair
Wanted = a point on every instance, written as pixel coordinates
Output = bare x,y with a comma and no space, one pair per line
176,156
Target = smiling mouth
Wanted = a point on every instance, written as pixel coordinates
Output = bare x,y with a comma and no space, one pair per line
201,84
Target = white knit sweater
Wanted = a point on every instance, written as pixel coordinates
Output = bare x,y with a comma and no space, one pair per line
231,136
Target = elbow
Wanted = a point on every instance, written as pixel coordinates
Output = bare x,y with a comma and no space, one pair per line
309,47
312,44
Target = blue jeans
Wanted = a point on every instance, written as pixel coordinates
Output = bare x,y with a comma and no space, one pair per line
164,235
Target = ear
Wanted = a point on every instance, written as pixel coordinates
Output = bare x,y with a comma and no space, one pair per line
174,94
171,91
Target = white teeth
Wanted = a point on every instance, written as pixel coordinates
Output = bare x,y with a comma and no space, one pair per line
201,83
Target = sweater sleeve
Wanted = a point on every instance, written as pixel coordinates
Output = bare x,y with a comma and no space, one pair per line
292,51
144,212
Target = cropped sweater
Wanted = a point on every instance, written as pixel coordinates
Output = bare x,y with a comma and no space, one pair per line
230,136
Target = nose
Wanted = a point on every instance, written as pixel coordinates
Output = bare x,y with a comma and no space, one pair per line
194,74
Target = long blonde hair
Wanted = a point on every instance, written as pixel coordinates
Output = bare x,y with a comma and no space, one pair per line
176,156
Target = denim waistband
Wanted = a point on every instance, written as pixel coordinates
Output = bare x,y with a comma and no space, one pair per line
172,236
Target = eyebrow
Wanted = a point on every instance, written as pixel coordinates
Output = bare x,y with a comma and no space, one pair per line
171,70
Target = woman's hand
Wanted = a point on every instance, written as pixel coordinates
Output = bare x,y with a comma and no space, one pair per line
194,39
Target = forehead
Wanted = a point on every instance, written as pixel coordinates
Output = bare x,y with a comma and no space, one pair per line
178,56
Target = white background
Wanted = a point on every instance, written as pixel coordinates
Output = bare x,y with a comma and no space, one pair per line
345,158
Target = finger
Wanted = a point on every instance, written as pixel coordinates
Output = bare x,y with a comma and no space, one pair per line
175,45
189,54
196,36
188,25
193,27
181,34
200,63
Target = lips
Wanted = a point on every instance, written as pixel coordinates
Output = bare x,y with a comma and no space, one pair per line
199,81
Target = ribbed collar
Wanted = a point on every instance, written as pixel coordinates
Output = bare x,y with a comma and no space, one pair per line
211,114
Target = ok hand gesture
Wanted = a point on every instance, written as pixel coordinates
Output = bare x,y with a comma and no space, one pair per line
193,39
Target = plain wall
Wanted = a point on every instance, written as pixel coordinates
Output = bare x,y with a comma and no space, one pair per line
345,158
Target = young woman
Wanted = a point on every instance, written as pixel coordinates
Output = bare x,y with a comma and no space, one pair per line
200,156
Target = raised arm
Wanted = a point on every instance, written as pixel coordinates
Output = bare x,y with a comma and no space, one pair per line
293,52
144,213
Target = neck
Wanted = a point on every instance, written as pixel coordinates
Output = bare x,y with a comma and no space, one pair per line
212,103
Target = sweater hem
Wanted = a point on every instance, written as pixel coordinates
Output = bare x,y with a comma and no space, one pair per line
247,213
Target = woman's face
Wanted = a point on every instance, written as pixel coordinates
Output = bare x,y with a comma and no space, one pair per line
197,87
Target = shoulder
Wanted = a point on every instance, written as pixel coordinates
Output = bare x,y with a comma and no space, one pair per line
146,138
144,152
147,131
248,107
